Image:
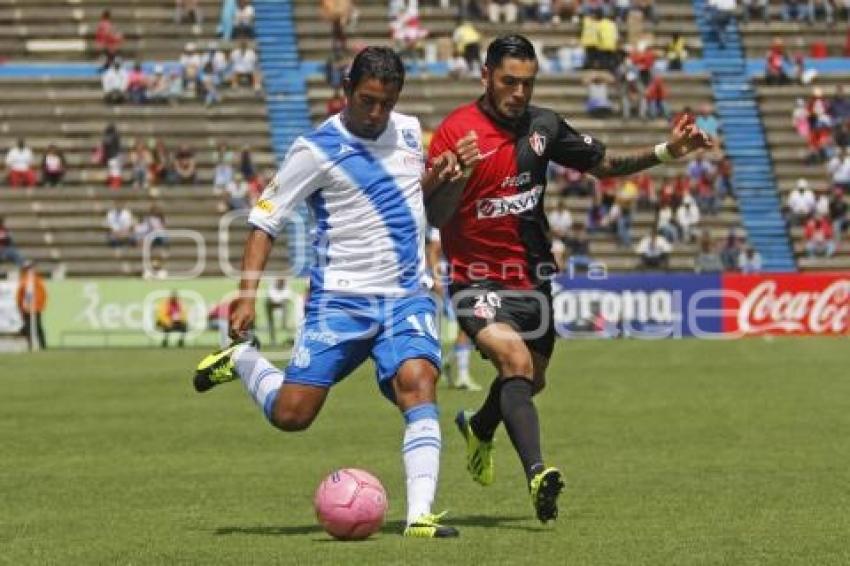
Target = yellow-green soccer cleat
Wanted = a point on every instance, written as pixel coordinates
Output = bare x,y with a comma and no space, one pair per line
479,453
217,368
545,488
428,526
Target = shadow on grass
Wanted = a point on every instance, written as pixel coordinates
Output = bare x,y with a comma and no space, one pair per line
391,527
269,530
506,522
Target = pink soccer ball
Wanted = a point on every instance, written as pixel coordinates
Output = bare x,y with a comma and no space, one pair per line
350,504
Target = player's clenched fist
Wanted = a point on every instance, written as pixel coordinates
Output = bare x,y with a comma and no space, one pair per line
467,150
446,167
687,137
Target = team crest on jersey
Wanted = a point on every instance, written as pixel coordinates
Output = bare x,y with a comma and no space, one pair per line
301,357
537,143
410,138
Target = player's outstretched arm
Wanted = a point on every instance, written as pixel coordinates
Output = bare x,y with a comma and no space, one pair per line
242,313
445,169
685,138
442,203
443,195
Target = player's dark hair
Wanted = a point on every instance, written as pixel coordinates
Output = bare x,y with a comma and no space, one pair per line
516,46
380,63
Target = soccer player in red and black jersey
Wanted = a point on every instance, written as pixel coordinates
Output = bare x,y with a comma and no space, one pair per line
495,236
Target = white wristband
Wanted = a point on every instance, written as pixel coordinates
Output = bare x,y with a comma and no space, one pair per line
662,152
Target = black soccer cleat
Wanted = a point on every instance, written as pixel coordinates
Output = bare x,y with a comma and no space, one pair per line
545,488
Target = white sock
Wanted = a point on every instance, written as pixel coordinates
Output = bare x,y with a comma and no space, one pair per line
462,353
421,454
261,379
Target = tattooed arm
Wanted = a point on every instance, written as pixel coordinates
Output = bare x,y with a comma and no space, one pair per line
685,138
624,165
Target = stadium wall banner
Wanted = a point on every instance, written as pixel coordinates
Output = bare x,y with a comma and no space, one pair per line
650,306
787,304
122,311
725,306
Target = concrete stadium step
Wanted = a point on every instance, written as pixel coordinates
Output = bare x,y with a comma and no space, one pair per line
739,103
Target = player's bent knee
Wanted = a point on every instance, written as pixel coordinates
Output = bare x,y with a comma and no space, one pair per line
415,383
541,363
292,420
296,407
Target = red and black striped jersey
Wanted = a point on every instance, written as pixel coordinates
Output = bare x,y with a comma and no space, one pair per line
499,231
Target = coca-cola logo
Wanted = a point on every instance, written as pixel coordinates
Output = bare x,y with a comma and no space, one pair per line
766,309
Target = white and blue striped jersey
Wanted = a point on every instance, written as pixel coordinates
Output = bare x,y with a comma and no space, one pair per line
367,200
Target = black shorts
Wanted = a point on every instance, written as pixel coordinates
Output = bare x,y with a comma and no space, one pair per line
529,312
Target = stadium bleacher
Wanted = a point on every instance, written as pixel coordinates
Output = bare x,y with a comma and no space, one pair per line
69,112
789,152
240,120
432,98
63,228
57,30
797,37
373,27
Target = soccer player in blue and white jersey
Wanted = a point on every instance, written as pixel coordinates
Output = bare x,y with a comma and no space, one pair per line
362,172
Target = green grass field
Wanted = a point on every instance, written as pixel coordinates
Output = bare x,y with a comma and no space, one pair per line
675,453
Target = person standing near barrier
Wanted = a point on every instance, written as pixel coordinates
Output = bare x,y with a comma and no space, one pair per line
32,299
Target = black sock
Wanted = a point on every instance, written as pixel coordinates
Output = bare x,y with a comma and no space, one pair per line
488,417
520,416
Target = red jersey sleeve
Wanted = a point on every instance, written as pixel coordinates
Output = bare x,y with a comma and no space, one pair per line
575,150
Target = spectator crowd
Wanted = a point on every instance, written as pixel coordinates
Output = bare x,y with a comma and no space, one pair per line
200,74
622,68
677,202
21,169
822,122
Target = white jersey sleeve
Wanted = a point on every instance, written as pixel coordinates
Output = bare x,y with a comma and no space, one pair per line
298,177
